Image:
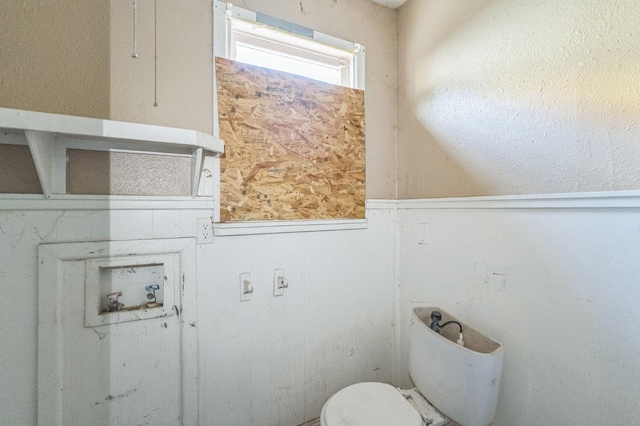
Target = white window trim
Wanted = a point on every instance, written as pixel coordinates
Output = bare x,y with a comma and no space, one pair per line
223,14
226,15
270,41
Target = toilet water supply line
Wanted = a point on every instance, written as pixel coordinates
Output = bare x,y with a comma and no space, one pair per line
436,316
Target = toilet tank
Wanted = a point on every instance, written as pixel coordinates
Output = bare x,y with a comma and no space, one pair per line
460,381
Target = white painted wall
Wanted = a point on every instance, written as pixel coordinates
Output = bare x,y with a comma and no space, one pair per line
275,361
20,233
264,362
558,287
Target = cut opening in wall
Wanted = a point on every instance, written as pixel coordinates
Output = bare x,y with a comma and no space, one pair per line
130,289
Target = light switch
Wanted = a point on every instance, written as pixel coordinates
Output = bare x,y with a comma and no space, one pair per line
246,288
279,282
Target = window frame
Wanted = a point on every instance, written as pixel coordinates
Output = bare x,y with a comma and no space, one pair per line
272,40
233,24
223,16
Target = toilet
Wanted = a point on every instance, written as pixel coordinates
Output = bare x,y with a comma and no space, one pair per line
455,382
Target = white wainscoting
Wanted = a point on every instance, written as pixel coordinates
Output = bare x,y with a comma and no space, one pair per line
269,361
555,280
276,360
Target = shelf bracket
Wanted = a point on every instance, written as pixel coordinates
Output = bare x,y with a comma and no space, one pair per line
197,160
41,145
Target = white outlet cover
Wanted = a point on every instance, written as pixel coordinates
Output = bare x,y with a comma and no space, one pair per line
204,231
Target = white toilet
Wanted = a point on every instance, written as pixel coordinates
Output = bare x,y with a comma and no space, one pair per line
454,382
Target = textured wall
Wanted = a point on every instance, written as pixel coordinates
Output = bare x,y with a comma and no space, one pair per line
182,82
55,56
121,173
17,171
514,97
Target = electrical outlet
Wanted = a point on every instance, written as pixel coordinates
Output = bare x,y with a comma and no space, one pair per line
204,233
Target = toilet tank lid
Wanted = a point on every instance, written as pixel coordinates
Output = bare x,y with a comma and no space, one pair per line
370,404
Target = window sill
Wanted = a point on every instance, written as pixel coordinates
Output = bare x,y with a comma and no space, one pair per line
284,226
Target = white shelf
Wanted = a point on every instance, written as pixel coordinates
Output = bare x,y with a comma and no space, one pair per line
50,135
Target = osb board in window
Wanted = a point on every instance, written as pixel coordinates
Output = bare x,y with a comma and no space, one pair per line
294,147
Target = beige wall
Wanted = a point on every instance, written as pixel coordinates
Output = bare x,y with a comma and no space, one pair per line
74,57
184,64
519,96
54,56
184,71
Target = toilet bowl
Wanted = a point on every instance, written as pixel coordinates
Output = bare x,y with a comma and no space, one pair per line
379,404
458,382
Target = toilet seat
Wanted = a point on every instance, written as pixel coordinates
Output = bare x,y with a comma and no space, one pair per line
369,404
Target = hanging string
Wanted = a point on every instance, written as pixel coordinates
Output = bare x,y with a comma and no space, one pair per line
134,55
155,53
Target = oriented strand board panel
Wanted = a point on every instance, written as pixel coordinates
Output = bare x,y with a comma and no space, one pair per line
294,147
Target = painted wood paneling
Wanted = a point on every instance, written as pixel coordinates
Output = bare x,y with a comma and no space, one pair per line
135,366
269,361
557,286
275,361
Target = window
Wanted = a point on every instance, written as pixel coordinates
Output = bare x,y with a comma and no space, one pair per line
261,40
294,146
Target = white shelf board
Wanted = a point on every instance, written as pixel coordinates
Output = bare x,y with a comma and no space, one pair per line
72,127
50,135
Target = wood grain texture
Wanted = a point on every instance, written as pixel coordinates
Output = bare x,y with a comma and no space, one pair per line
294,147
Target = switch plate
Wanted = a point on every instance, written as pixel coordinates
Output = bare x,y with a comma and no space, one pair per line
423,233
246,290
204,233
278,276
